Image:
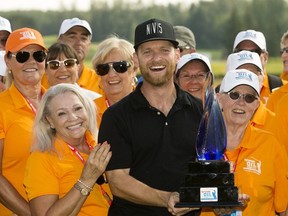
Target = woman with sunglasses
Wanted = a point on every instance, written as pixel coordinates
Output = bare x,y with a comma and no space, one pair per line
62,65
65,162
25,60
258,160
113,62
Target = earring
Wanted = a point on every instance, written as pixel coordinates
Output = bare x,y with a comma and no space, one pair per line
135,81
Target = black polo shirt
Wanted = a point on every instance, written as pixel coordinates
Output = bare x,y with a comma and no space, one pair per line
156,148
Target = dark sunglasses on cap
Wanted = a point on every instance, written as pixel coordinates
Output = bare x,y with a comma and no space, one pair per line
249,98
119,67
55,64
284,50
23,56
258,50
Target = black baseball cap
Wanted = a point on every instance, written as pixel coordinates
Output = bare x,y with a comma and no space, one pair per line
154,29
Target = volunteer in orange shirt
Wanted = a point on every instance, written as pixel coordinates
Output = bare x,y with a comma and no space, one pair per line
25,60
276,95
281,121
263,117
66,162
113,62
78,34
255,41
62,64
259,161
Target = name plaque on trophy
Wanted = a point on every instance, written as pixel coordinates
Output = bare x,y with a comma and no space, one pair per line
209,182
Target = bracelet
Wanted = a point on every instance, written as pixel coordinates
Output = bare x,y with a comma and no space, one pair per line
84,184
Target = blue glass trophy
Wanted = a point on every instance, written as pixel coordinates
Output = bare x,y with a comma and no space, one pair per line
209,182
211,140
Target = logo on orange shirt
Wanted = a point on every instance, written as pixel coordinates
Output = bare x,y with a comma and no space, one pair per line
253,165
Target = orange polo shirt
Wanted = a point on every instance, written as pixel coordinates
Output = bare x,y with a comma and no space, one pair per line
263,118
275,97
284,75
56,173
101,108
280,123
16,123
265,91
88,80
261,172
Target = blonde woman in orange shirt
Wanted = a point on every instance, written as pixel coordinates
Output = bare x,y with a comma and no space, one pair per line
66,162
113,62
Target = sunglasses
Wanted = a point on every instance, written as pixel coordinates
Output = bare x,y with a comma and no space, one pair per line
284,50
119,67
258,51
23,56
249,98
55,64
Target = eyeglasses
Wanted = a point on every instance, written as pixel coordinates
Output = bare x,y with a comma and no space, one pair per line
249,98
119,67
23,56
199,77
258,50
182,48
55,64
284,50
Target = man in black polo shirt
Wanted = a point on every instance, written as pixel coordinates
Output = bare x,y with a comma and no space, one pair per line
152,131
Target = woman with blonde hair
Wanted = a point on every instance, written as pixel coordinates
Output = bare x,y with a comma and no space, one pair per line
65,163
113,62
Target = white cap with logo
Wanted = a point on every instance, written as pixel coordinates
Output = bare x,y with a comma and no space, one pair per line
5,25
238,77
69,23
252,35
193,56
235,60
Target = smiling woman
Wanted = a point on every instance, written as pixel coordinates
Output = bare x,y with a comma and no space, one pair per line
65,163
25,55
113,62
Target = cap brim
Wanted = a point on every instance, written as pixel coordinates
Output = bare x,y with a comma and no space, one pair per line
175,43
21,46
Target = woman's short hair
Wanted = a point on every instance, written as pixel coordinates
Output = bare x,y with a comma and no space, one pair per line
44,135
283,38
57,49
113,43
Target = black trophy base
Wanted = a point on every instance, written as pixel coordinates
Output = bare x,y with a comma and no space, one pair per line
224,196
209,184
208,204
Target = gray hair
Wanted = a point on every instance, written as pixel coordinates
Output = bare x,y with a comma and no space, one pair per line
44,135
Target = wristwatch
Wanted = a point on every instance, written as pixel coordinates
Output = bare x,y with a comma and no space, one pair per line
84,191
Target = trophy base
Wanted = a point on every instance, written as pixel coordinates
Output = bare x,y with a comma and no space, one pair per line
209,204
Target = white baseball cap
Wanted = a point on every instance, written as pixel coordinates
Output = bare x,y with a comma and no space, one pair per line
69,23
238,77
5,25
235,60
193,56
2,63
252,35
